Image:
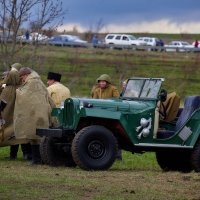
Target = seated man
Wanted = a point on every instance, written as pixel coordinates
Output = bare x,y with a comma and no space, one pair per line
166,110
170,106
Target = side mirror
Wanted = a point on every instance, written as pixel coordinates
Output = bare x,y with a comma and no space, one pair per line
163,95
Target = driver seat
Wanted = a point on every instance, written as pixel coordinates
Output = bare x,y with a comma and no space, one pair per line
191,103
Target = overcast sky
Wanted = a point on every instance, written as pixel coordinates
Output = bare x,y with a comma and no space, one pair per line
170,16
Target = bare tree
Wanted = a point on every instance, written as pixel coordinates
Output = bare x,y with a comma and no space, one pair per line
48,12
99,26
18,13
94,29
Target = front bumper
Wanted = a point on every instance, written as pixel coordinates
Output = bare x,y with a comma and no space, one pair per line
49,132
54,132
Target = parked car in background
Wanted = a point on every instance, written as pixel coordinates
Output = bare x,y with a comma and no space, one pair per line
66,40
123,40
179,46
6,35
33,37
152,41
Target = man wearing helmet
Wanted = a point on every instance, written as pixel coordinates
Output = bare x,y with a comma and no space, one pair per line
104,89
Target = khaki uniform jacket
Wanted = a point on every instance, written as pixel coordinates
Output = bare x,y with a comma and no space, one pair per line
108,92
32,108
8,95
58,92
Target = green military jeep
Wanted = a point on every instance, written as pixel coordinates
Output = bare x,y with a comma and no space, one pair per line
89,132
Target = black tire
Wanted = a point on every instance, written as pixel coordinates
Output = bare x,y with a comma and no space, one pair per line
54,156
195,158
170,160
94,148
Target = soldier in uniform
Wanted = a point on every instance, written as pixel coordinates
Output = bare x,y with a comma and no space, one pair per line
57,91
32,110
11,82
104,88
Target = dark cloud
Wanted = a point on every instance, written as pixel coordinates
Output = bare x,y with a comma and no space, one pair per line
87,12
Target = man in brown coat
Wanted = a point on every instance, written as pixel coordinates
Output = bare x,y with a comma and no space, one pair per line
104,89
32,110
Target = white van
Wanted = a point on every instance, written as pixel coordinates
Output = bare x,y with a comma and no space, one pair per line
123,39
150,41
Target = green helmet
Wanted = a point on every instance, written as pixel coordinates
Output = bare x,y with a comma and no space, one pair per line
17,66
104,77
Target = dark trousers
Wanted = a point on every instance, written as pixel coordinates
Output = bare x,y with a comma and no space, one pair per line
36,158
26,149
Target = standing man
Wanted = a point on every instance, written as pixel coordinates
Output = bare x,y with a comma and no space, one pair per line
57,91
11,83
196,43
32,110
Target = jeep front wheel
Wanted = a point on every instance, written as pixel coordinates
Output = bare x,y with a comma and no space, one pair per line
94,148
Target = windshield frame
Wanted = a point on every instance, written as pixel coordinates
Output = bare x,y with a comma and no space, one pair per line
141,91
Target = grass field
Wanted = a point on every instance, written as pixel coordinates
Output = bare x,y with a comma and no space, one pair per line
136,177
80,67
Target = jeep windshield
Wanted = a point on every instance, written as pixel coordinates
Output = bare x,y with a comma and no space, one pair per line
142,88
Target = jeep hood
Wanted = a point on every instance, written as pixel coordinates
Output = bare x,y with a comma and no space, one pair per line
118,105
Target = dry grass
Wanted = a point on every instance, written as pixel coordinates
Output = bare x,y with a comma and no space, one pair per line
136,177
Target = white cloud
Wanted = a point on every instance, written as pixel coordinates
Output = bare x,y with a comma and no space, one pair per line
71,26
160,26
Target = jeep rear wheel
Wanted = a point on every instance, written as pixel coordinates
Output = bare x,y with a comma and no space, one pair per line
195,158
94,148
174,161
53,154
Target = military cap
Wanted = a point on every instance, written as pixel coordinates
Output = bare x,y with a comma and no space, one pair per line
54,76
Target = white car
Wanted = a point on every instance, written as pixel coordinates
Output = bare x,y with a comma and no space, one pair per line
33,36
123,39
179,46
150,41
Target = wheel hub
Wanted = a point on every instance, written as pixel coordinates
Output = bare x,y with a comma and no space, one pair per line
96,149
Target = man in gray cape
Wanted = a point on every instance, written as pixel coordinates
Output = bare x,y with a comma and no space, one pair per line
32,110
